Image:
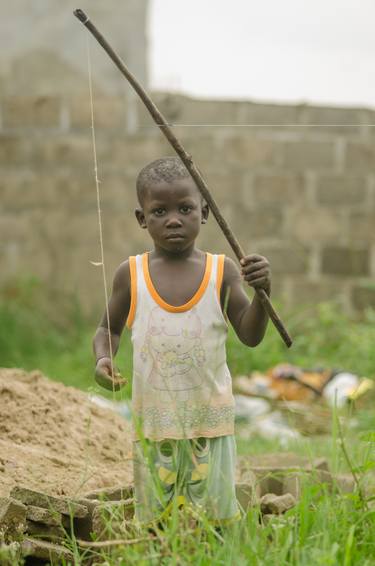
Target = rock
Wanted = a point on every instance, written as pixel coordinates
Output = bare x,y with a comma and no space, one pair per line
12,516
54,504
55,553
46,516
277,504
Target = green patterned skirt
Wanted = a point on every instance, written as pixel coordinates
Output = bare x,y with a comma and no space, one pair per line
199,472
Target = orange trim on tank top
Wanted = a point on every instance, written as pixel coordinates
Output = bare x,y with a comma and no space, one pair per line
219,275
133,290
193,301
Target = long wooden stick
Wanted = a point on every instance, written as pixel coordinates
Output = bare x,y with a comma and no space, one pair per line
189,164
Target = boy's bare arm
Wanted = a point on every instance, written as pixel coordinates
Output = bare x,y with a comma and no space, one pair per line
248,319
118,310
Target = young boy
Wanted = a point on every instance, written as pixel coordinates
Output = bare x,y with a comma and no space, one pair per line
172,298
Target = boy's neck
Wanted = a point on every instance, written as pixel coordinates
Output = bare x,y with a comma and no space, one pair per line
181,255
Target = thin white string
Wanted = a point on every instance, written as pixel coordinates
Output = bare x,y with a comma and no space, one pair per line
177,125
98,201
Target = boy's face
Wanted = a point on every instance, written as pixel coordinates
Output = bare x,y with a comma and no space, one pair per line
172,213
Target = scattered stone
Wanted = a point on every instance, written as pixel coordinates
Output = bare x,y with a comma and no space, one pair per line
55,504
55,553
277,504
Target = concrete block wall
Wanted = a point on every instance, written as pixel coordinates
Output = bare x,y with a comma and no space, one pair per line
297,183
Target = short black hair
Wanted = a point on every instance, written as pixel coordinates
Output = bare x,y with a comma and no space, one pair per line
166,169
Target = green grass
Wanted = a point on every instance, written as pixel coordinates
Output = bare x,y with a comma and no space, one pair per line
326,528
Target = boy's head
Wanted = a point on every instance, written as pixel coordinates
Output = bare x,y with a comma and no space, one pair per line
171,207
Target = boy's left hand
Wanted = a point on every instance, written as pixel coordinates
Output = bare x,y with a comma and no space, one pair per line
256,271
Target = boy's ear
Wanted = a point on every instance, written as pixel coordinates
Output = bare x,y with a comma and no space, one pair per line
140,217
205,212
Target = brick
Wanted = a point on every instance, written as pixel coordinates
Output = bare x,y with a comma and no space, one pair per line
249,151
362,226
360,157
58,504
108,518
15,149
286,259
280,189
310,224
345,483
31,112
340,190
302,155
363,297
345,261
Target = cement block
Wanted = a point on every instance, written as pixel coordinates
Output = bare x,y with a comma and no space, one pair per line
249,151
363,297
43,550
108,519
302,155
345,261
362,226
46,516
109,112
310,224
58,504
278,189
306,292
111,493
248,491
360,156
43,531
340,190
37,112
288,259
12,514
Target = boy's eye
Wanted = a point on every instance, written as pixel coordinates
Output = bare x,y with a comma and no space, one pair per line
159,211
185,209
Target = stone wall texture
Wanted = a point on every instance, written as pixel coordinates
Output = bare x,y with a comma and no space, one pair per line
296,183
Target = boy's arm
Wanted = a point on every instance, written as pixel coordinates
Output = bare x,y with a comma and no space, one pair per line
118,310
248,319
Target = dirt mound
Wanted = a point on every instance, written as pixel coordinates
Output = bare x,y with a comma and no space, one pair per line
53,439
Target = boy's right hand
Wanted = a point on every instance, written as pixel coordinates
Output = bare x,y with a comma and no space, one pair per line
105,378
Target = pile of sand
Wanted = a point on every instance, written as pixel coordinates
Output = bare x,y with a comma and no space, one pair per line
54,439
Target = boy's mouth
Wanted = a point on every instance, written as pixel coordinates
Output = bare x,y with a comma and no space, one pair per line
174,236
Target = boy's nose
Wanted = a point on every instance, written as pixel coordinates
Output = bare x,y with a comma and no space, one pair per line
173,222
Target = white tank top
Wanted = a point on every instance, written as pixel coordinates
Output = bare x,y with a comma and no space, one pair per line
182,387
